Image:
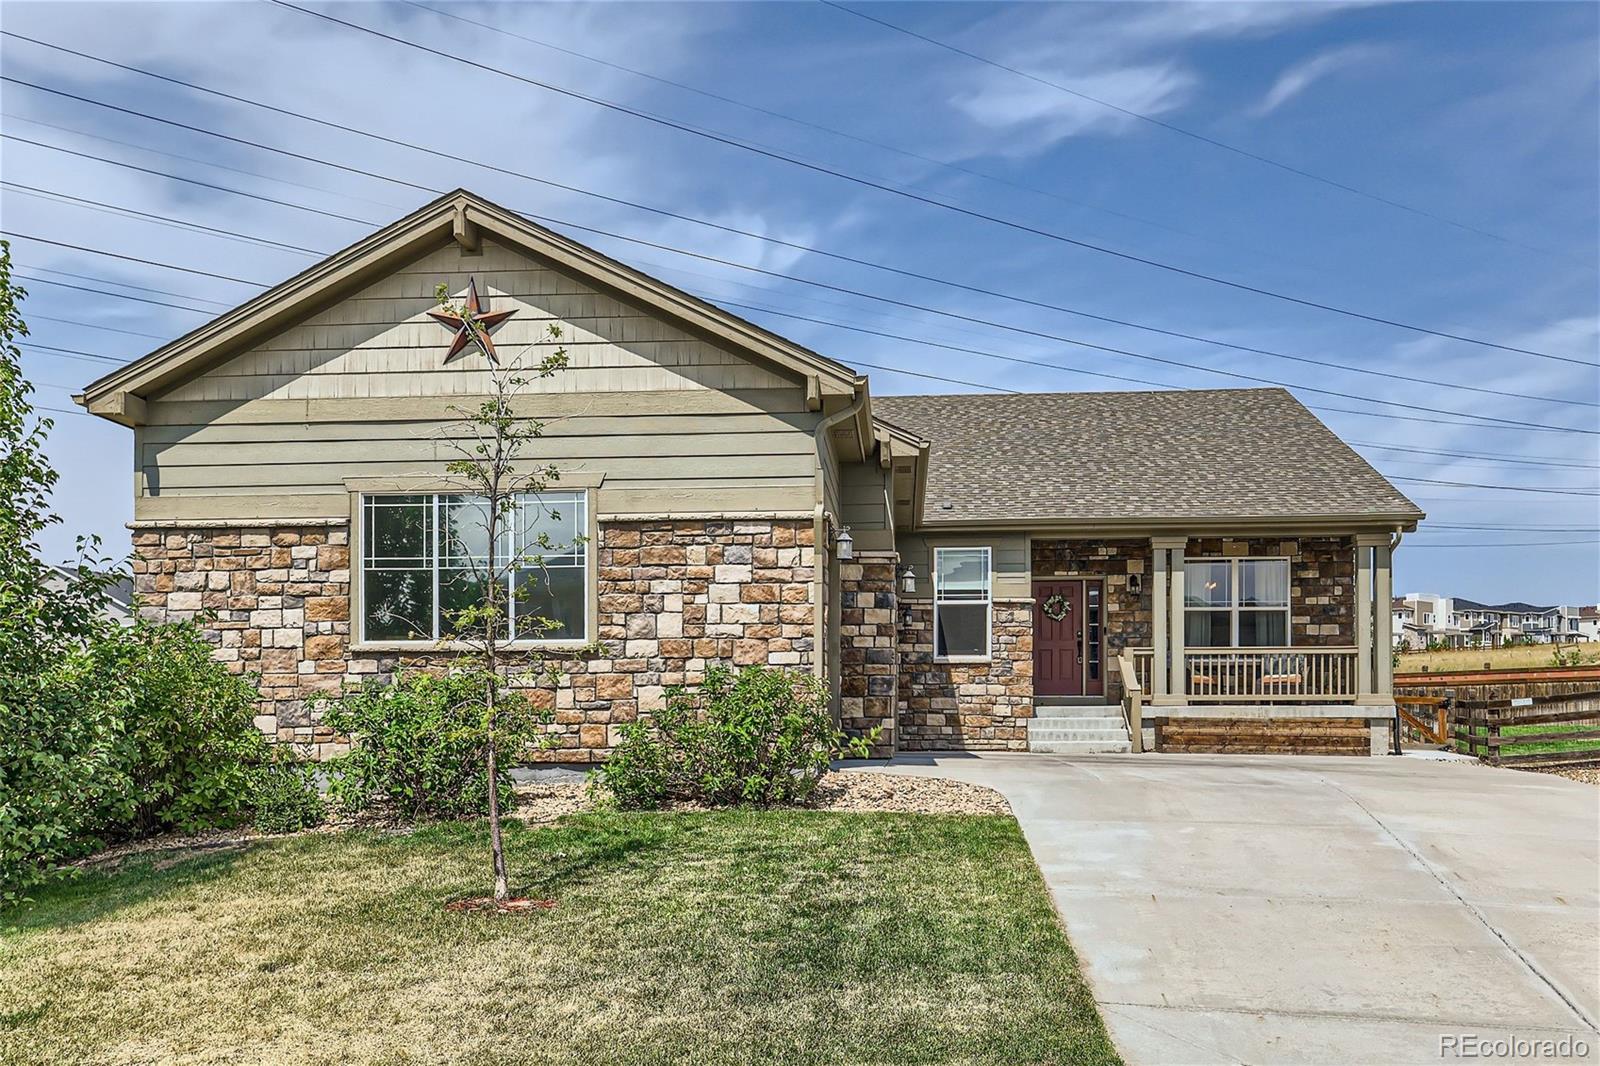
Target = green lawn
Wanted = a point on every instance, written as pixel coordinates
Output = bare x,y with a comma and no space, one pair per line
783,937
1541,746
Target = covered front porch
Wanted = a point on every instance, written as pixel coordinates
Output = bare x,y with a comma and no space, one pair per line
1214,643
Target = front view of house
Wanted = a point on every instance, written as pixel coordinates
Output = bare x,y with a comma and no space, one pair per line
995,571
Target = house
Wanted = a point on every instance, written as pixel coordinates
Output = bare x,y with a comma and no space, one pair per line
978,572
116,606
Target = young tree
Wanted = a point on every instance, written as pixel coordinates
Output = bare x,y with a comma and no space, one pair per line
51,752
494,469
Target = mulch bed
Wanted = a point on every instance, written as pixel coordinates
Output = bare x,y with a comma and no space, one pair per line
490,905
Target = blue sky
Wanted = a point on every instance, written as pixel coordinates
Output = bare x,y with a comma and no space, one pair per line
1484,115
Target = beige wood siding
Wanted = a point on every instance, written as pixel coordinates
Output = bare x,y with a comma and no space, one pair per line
1012,574
665,421
864,505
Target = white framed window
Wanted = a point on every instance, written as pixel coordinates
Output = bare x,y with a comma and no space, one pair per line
1236,603
962,602
424,558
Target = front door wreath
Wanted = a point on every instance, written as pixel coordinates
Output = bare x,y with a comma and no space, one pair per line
1056,607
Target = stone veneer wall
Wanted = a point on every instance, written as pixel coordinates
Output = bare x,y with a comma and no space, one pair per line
674,597
976,706
868,654
1322,583
1128,618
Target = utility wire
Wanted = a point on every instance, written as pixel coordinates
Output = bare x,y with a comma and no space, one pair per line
119,295
960,317
1499,488
1040,334
1511,544
122,284
1182,131
94,325
856,138
1020,227
1177,334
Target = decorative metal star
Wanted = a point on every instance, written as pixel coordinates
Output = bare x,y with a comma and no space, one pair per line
474,327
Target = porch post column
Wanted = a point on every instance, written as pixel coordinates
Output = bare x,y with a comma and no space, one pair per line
1177,688
1159,602
1383,607
1363,607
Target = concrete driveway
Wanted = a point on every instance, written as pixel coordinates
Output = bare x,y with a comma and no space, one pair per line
1281,909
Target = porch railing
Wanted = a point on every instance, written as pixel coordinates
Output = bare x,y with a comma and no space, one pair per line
1228,675
1141,659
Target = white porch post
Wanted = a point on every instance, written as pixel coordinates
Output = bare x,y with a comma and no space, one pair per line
1366,609
1177,687
1159,597
1383,600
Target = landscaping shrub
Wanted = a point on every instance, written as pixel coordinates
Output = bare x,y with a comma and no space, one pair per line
186,746
760,737
419,743
285,796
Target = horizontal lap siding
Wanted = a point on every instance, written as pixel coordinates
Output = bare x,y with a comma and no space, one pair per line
360,389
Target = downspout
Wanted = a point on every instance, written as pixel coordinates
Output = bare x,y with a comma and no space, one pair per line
819,526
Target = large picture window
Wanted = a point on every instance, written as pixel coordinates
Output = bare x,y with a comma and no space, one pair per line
961,602
424,558
1236,603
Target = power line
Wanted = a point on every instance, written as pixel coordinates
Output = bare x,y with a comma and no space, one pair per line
858,139
1498,488
136,259
32,317
1177,334
163,174
94,205
1497,457
1433,412
113,281
119,295
71,352
1040,334
1173,127
1512,544
1020,227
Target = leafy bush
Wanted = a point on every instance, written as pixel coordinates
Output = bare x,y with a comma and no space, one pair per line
419,743
148,732
186,746
285,796
760,737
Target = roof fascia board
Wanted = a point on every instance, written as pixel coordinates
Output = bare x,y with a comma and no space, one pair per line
1308,525
280,305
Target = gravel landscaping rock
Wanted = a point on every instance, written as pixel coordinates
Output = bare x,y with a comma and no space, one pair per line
1589,775
905,794
541,802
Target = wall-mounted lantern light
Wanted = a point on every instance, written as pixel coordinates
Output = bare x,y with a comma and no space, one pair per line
908,581
845,545
1135,583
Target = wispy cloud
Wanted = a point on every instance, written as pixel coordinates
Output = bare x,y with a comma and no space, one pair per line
1302,75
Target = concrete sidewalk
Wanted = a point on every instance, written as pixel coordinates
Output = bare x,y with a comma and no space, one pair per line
1281,909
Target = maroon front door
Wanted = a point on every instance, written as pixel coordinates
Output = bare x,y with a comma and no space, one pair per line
1068,629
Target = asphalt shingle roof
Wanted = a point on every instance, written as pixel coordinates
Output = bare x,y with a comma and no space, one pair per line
1203,454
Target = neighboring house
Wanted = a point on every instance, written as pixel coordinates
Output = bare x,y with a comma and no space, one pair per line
961,569
1586,624
118,603
1422,619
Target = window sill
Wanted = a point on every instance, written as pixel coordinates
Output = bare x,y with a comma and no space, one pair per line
963,660
369,646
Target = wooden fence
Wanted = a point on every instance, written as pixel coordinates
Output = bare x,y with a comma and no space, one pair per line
1564,730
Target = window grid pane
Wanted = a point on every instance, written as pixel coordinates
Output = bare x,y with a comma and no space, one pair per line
961,602
424,555
1241,603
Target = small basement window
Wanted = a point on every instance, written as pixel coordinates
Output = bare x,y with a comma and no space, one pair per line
962,603
424,558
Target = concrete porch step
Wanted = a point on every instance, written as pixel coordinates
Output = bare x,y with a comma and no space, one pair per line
1103,717
1047,735
1078,747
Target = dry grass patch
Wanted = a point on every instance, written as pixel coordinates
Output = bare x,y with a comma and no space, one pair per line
733,937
